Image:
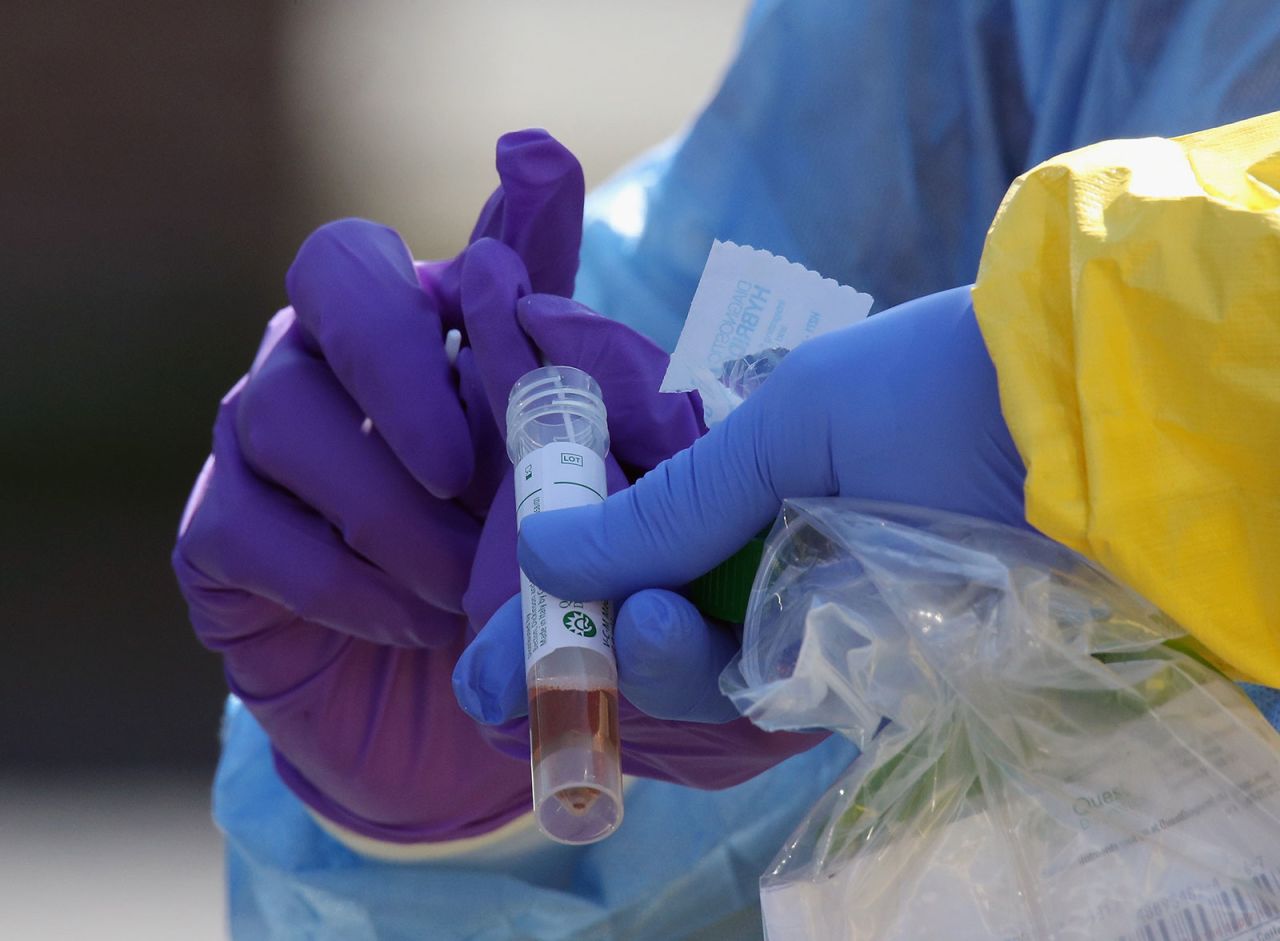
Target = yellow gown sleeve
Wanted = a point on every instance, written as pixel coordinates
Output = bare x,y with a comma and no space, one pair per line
1129,294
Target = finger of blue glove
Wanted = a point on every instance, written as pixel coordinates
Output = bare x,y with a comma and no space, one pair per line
928,429
537,211
247,534
646,426
669,662
494,575
497,666
357,294
670,658
297,426
903,407
493,279
489,678
678,521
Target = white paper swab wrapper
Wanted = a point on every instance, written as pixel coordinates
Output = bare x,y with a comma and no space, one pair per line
751,308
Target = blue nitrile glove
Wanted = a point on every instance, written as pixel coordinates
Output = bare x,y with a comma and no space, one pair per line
902,407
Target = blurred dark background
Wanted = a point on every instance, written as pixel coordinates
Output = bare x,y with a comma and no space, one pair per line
159,164
146,212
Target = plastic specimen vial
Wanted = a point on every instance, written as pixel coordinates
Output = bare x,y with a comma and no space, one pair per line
557,439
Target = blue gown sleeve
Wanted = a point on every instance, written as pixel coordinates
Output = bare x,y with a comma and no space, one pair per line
873,141
683,866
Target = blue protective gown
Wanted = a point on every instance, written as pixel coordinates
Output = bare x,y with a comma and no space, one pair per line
871,141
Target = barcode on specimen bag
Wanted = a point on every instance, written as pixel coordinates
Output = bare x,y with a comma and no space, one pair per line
1215,913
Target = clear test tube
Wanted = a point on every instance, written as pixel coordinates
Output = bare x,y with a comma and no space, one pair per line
557,439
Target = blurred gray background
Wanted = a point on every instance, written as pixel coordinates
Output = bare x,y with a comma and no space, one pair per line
160,162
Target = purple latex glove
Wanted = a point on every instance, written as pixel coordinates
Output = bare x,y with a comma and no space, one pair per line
646,427
325,558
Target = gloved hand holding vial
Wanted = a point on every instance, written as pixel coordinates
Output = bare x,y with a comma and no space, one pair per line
557,438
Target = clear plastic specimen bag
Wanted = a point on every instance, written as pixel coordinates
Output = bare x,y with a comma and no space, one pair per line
1044,755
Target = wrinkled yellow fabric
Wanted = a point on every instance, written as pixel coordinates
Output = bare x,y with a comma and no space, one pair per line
1129,294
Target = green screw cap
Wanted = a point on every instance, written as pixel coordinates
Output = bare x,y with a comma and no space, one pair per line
724,591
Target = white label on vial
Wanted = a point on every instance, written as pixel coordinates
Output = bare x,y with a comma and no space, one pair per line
557,477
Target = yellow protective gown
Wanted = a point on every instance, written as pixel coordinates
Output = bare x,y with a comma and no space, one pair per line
1129,294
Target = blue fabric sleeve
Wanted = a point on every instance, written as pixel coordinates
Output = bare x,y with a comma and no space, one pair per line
684,864
874,141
